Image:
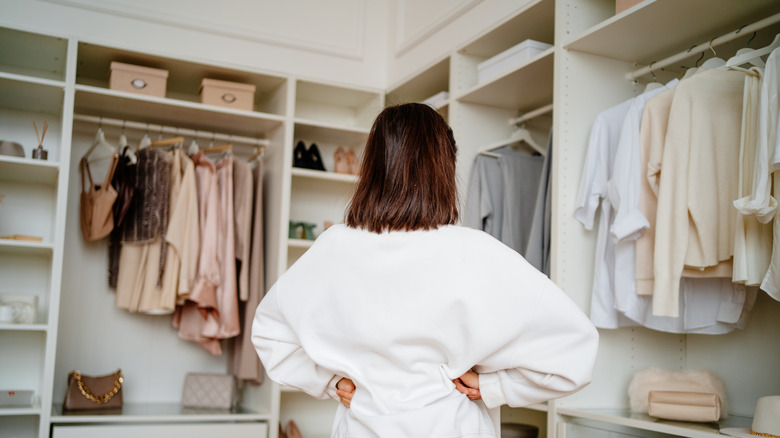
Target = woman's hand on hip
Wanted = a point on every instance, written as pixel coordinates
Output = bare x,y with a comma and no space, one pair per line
468,384
345,389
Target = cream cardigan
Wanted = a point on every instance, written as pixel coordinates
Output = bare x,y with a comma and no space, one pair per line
403,313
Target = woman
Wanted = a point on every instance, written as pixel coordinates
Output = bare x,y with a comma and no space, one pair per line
390,312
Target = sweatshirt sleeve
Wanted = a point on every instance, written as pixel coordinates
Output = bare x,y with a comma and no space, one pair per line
552,356
285,361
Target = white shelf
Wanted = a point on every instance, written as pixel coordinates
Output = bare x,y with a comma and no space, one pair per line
536,21
157,413
625,36
24,327
104,102
299,243
19,410
624,417
527,87
330,133
28,170
324,175
22,247
30,94
32,79
48,62
541,407
430,81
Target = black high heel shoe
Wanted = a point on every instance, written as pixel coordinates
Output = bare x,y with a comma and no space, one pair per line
315,160
301,156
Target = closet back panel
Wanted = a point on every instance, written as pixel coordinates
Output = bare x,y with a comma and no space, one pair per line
101,338
27,275
746,360
21,364
21,427
49,59
17,125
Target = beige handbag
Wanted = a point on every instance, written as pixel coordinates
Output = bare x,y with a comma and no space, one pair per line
93,393
212,391
684,406
97,203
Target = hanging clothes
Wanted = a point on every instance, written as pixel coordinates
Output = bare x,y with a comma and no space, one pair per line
244,363
753,235
537,252
521,173
695,223
592,197
138,289
484,208
242,222
761,204
124,183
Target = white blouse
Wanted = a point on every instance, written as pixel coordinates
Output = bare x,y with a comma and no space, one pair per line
404,313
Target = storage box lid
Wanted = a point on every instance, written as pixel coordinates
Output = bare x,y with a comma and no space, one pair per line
527,44
139,69
226,84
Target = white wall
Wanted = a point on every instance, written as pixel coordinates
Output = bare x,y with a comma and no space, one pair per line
336,40
422,32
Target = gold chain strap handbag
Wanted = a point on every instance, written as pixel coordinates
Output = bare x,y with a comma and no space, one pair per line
93,393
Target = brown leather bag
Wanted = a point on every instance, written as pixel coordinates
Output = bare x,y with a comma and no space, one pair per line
97,203
93,393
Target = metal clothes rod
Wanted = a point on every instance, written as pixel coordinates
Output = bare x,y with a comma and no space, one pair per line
532,114
205,135
701,47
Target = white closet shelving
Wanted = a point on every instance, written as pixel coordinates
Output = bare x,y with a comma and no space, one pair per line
32,89
595,51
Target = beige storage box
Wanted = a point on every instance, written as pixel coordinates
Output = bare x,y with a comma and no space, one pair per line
622,5
137,79
227,94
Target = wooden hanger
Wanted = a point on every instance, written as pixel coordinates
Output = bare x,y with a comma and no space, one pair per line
167,142
259,152
220,148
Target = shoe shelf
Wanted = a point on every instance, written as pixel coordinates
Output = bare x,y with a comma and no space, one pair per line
330,133
527,87
624,36
324,175
645,422
300,243
158,413
27,170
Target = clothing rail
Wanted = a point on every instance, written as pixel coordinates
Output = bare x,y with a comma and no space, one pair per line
172,130
758,25
531,114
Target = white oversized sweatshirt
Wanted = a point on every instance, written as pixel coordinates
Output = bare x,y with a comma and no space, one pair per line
404,313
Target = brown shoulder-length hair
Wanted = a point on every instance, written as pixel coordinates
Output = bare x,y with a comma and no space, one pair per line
407,178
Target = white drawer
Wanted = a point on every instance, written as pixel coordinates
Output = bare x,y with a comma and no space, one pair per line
198,430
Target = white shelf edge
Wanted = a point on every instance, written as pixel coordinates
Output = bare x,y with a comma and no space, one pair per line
24,244
24,327
541,407
324,175
608,22
176,102
32,80
528,63
24,161
331,126
19,410
205,416
299,243
695,430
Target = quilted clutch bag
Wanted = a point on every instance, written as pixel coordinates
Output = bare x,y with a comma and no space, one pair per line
212,391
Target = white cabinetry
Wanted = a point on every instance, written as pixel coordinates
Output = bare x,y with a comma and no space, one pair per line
595,49
32,89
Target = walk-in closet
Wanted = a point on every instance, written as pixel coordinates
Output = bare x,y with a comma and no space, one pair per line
525,85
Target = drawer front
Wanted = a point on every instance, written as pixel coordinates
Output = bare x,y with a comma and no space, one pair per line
196,430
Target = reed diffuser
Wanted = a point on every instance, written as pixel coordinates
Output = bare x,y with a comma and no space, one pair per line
40,153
